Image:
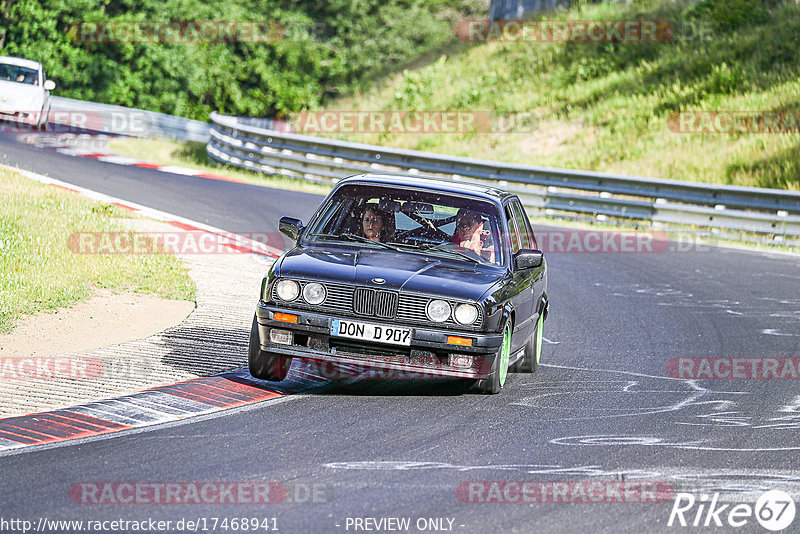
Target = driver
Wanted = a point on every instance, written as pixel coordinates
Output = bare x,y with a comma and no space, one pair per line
469,233
376,224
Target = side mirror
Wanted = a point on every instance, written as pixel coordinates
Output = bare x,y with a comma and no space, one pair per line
528,259
290,227
49,85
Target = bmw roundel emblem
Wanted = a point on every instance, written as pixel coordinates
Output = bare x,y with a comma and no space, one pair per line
379,281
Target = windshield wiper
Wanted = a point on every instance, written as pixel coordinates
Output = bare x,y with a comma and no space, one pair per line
357,239
448,247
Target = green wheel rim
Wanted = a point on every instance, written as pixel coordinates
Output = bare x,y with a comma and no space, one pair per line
539,328
505,354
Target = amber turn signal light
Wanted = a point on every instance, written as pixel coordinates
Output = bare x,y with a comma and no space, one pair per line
285,317
455,340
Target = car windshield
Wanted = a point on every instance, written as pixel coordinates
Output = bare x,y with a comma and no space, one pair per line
462,228
15,73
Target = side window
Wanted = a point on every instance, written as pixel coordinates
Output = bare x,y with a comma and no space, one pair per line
513,235
524,225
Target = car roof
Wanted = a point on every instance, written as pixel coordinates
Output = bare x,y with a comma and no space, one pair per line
20,62
477,190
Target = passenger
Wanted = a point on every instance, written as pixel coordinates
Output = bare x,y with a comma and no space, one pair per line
377,224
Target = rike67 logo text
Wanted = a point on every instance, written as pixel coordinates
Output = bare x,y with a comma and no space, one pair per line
774,510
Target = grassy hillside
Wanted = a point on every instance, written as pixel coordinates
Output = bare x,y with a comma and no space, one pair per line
605,106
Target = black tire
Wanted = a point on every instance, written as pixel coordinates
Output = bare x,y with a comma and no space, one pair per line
42,127
265,365
529,363
498,378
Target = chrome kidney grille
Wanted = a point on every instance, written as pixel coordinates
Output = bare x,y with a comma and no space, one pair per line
378,303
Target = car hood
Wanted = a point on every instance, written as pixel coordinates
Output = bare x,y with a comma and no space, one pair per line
401,271
21,94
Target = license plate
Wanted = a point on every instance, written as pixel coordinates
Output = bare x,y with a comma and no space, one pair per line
371,332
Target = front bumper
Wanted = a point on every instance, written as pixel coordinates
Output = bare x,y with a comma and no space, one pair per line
13,115
429,353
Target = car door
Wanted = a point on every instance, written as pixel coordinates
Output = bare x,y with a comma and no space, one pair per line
520,287
528,239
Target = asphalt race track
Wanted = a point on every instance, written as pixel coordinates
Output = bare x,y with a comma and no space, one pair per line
602,408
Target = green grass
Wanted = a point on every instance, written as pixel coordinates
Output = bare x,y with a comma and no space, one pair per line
38,272
604,106
193,155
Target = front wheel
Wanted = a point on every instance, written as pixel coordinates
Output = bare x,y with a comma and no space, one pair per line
497,380
42,126
533,349
265,365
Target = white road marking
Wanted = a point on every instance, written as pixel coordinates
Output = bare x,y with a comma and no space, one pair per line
76,151
692,396
119,160
175,169
774,332
793,407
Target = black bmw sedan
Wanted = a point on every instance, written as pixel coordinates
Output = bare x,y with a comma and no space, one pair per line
406,274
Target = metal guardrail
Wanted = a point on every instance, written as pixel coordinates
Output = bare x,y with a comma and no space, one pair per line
132,121
236,141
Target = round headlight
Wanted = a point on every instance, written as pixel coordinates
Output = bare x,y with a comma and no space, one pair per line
314,293
287,289
466,313
438,311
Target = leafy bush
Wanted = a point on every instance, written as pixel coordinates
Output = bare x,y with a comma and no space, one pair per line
728,15
330,48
